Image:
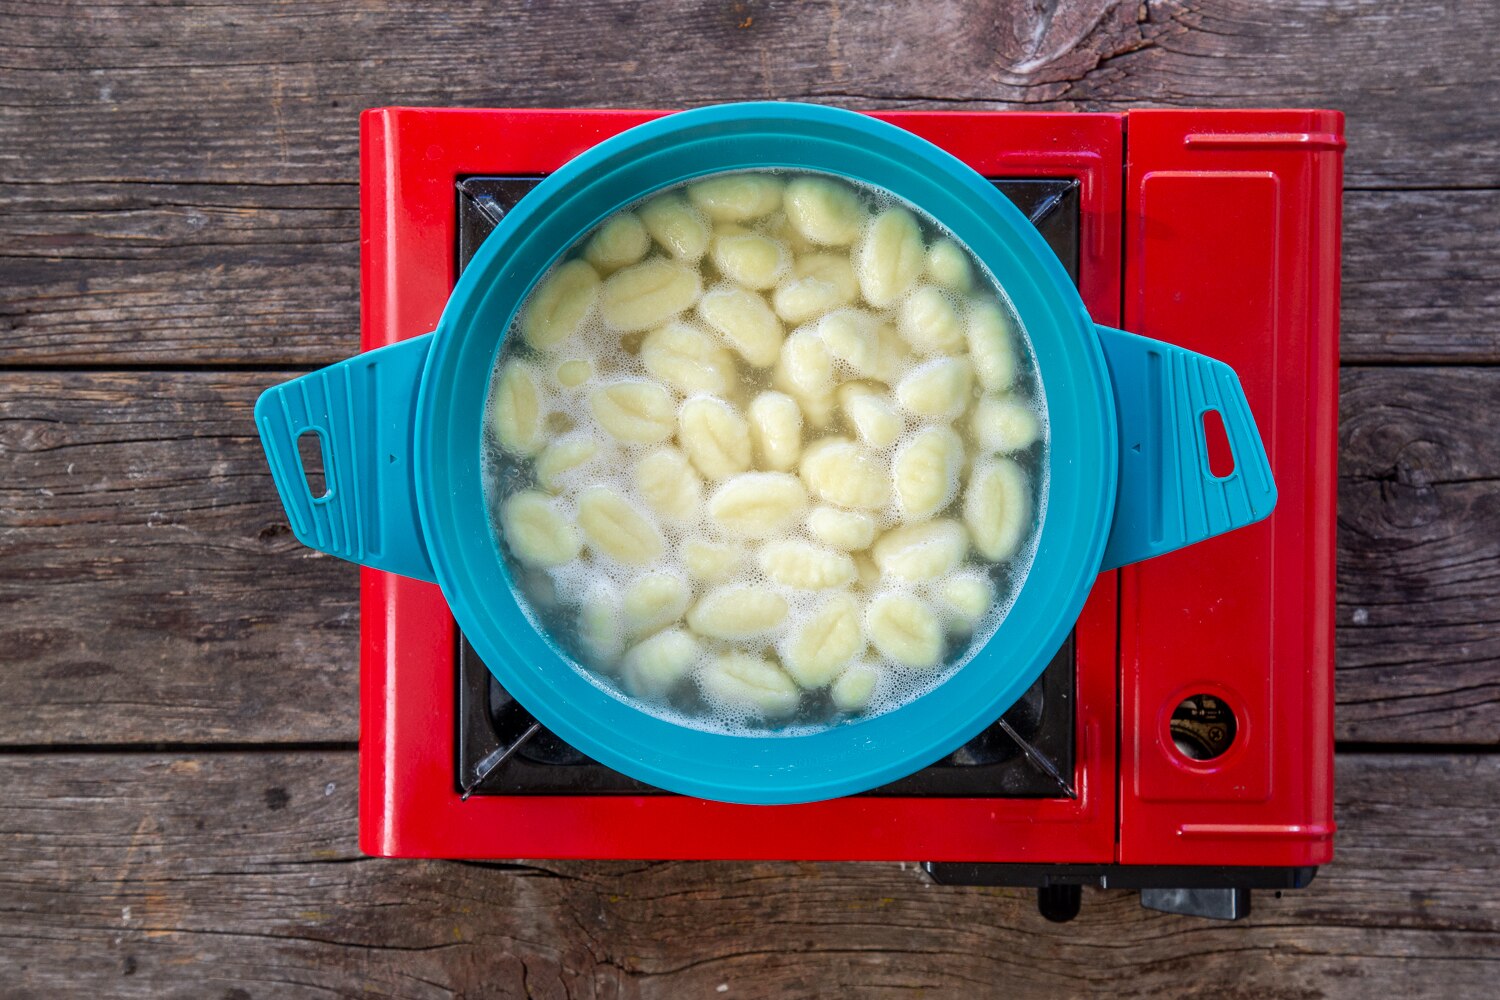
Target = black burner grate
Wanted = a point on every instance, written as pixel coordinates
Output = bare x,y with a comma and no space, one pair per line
1028,753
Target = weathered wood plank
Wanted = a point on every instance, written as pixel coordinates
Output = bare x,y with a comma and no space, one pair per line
152,591
147,274
209,274
237,93
150,587
1419,555
233,875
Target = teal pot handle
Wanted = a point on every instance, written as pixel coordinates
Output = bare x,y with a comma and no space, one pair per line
1168,496
362,411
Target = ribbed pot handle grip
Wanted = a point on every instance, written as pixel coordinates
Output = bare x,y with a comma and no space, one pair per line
363,411
1168,495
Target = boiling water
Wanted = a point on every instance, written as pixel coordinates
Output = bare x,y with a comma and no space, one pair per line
575,598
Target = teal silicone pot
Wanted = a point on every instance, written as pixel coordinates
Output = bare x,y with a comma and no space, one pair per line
401,428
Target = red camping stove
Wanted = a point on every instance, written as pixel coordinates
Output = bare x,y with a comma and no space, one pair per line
1181,742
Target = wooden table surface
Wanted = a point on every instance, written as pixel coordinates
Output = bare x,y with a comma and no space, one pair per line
178,229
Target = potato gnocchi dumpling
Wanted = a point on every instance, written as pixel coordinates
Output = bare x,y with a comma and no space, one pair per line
560,305
676,227
620,241
776,427
904,629
537,531
715,437
767,449
745,322
688,359
612,525
634,411
738,611
648,294
890,258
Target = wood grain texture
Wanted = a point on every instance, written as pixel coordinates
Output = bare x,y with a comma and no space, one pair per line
152,589
1419,554
233,875
241,94
148,274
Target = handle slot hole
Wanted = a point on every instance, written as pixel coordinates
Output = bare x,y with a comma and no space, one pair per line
310,450
1216,443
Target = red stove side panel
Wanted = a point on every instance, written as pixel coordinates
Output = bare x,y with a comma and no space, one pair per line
410,159
1232,248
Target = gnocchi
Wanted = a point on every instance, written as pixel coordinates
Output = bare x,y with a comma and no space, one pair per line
925,472
736,197
849,530
688,359
617,529
561,303
745,322
841,472
805,566
737,611
648,294
667,481
776,429
820,647
620,241
538,533
760,439
1002,425
634,411
938,389
997,508
750,259
753,684
889,259
654,667
824,211
516,411
676,227
904,629
758,504
714,436
923,551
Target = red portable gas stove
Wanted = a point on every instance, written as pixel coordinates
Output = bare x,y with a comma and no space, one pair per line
1180,742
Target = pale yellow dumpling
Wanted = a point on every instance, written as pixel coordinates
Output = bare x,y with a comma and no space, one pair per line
871,413
612,525
668,482
997,508
601,629
925,471
776,427
688,358
931,323
737,611
804,566
948,265
922,551
890,257
745,322
806,364
560,304
563,456
841,472
905,630
849,530
854,688
750,259
750,684
758,504
516,413
537,531
620,241
824,211
736,197
965,598
710,561
991,334
676,227
1002,425
634,411
819,649
653,668
648,294
940,388
655,600
714,436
